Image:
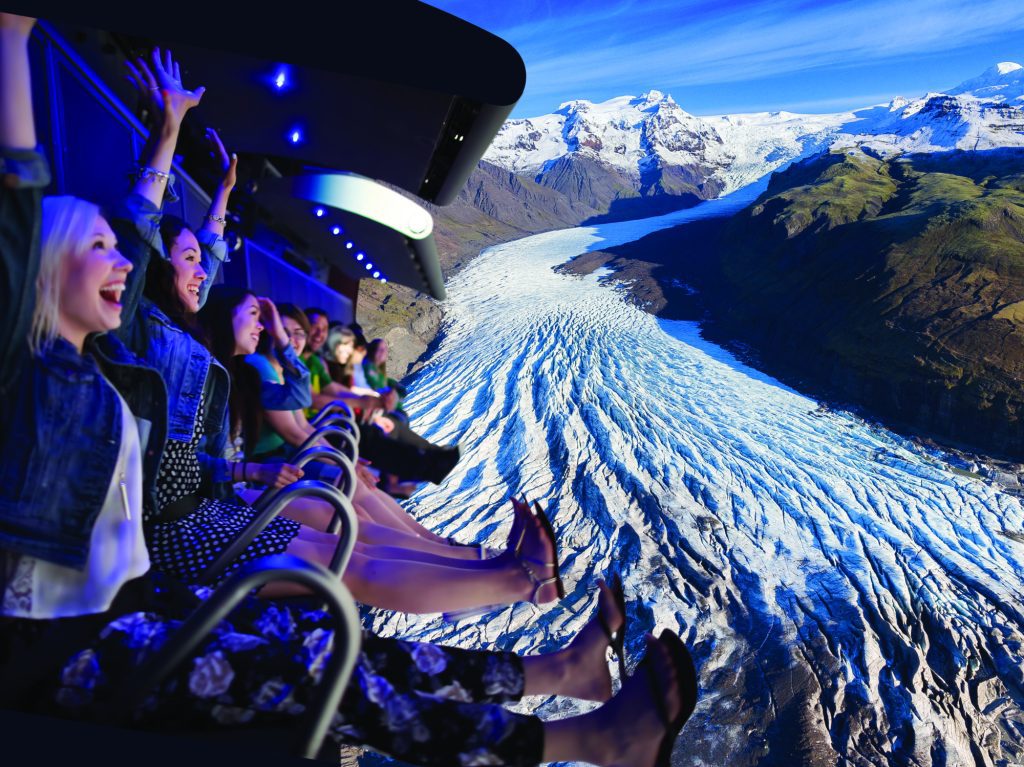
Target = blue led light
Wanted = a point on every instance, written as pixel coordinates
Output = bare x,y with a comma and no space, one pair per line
336,230
295,136
360,256
376,275
319,212
279,79
348,245
369,266
383,279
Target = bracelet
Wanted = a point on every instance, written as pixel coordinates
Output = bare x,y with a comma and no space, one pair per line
217,219
146,172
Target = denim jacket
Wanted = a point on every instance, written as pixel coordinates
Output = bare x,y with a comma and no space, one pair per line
183,362
60,423
295,393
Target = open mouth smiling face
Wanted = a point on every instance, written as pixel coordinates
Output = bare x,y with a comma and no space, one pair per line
189,275
93,281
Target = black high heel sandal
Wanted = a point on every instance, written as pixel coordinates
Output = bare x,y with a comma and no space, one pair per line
686,681
550,532
517,535
616,639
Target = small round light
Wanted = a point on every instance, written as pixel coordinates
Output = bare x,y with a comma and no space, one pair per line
336,230
383,279
279,80
360,256
296,136
348,245
320,212
376,275
369,266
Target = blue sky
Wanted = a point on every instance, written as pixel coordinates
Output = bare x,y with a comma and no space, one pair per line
719,57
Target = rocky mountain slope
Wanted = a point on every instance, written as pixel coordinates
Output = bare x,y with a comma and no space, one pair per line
894,284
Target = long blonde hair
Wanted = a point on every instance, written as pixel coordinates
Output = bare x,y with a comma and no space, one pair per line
67,229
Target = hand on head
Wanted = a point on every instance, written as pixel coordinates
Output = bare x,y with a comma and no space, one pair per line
271,319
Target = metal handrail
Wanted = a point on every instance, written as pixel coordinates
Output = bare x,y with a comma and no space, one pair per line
279,567
335,456
274,505
338,404
340,419
348,439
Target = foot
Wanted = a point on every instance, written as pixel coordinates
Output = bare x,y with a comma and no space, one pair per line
537,555
586,658
633,725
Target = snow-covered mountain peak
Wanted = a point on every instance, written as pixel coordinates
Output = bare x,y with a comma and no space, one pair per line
980,113
652,100
571,107
636,134
1003,82
640,137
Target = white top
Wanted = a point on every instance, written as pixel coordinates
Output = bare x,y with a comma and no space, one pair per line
117,549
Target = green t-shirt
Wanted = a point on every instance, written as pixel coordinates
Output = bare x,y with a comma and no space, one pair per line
319,378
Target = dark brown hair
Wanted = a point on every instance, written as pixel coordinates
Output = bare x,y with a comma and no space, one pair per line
160,278
244,404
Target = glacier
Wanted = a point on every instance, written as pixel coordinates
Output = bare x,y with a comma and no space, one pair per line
848,598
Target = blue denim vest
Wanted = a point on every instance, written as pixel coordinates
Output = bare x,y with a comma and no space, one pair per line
62,430
183,362
60,422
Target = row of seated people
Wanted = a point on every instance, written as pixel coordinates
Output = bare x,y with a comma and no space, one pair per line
340,366
124,385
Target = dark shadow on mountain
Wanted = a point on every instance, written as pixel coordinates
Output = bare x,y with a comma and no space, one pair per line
979,165
632,208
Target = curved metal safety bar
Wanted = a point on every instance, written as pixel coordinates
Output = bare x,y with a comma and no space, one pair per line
335,456
279,567
338,405
273,506
323,431
340,419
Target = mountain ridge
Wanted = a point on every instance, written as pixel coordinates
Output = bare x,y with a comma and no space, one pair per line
634,157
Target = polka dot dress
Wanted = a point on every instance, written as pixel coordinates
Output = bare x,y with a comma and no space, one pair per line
185,547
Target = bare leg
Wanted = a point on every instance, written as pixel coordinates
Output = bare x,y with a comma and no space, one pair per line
373,508
581,669
386,511
317,514
500,562
417,587
422,587
373,534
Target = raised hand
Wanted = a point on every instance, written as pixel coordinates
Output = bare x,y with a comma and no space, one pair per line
228,163
18,25
17,123
161,85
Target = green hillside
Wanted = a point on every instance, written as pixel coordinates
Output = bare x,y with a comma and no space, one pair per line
896,284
